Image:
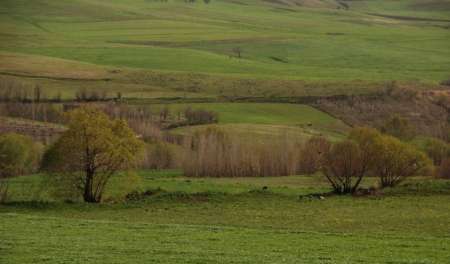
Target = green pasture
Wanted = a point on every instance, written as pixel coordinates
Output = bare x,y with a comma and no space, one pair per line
267,119
223,220
262,113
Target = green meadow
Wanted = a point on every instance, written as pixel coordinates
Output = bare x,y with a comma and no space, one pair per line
266,119
215,220
262,113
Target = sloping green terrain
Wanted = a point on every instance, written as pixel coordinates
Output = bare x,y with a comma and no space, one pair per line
311,40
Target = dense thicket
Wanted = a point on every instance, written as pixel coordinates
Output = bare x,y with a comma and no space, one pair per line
216,153
19,155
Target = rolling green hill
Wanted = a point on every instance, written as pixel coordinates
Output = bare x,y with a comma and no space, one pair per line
308,40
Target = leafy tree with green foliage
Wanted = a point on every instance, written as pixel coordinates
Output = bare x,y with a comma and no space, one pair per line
90,152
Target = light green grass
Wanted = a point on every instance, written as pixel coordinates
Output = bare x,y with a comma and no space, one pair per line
268,119
279,42
262,113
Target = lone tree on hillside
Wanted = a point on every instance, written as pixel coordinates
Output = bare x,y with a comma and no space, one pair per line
92,150
237,52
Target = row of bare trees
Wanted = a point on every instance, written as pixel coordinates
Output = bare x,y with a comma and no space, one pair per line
12,91
146,121
216,153
45,112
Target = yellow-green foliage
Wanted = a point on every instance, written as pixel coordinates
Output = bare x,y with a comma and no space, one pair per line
92,149
389,158
18,155
396,160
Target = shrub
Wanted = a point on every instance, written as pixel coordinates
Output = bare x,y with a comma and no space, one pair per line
437,150
398,127
84,95
387,157
344,167
396,160
158,156
200,117
18,155
445,82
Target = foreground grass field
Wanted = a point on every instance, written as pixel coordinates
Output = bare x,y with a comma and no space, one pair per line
231,221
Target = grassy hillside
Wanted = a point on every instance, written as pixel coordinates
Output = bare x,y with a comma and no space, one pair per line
262,113
362,40
268,119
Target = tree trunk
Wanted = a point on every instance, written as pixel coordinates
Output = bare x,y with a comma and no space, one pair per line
88,196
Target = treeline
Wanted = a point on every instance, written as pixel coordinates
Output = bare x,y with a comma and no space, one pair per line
147,121
95,147
15,91
45,112
217,153
365,153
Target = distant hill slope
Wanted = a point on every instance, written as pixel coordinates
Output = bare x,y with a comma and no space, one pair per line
311,40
